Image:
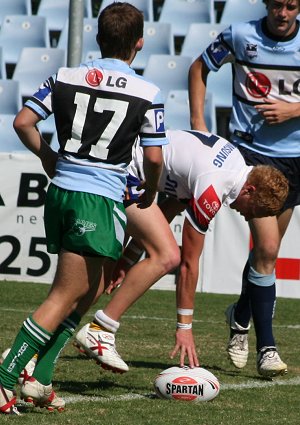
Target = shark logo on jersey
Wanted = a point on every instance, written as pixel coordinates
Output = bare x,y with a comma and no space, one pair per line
80,227
94,77
251,50
159,120
258,85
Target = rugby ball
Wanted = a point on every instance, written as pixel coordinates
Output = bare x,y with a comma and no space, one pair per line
186,384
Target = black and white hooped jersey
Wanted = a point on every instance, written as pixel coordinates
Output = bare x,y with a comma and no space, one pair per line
200,168
100,108
263,68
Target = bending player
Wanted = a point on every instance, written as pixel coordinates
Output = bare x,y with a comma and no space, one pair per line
201,172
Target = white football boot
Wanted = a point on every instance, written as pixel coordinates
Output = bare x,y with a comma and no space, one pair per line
8,400
28,369
269,364
237,347
100,346
40,395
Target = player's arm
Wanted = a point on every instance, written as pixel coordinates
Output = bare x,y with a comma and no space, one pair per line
152,164
197,89
192,246
25,126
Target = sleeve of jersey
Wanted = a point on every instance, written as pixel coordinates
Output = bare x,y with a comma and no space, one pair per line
152,131
41,101
219,51
202,209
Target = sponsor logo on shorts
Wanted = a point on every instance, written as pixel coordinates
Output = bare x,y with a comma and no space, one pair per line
80,227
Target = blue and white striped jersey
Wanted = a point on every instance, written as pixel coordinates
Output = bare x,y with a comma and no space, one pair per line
263,68
100,108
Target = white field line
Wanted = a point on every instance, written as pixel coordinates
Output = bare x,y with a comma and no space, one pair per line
224,387
133,317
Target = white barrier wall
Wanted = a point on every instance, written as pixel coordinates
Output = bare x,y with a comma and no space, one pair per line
23,254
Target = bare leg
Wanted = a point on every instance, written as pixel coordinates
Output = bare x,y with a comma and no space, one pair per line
75,277
149,228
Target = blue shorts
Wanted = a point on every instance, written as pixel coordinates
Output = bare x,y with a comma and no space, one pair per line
290,167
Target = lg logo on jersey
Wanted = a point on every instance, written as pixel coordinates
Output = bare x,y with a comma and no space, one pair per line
94,77
119,82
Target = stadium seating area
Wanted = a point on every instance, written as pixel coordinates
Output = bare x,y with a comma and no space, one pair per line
34,42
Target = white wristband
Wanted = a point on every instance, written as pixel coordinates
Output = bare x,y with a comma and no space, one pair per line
184,325
185,311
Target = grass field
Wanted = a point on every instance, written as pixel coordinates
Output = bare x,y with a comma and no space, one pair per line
145,339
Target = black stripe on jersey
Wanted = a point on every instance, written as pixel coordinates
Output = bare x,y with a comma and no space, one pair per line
40,104
51,82
248,102
265,66
156,106
153,135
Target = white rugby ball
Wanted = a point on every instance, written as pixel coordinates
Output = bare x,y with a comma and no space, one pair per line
186,384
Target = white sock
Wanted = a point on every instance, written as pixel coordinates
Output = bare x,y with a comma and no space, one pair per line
106,321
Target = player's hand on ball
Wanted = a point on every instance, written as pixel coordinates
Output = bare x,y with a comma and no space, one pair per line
185,345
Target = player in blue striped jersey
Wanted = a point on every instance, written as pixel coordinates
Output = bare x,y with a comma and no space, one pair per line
100,108
265,125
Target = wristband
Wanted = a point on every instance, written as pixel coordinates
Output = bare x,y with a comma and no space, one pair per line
185,311
184,326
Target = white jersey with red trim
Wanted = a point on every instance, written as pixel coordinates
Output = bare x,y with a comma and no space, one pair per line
201,168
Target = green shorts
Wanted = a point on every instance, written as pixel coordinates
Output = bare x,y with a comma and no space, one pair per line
84,223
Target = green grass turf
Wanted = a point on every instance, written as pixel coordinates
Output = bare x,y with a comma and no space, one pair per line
145,338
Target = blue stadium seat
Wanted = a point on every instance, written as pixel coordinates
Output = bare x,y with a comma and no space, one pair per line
158,39
146,6
10,98
198,37
57,12
92,55
14,7
89,32
177,111
20,31
2,64
169,72
47,126
9,140
182,13
54,142
35,65
220,85
234,11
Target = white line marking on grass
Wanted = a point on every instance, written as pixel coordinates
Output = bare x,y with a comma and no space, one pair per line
224,387
165,319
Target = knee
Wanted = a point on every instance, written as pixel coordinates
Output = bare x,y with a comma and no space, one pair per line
266,252
169,258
